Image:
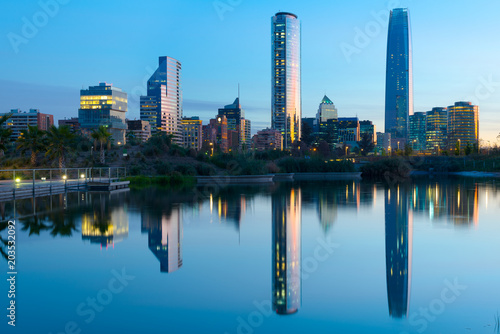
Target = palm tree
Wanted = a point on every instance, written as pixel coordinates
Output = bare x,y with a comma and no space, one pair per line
31,140
102,136
59,141
4,133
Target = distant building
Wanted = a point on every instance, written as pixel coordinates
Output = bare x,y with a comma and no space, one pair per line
268,139
72,123
367,127
236,122
416,131
384,141
104,105
463,125
19,121
349,130
436,125
139,129
192,133
246,134
215,134
162,106
311,122
326,111
286,105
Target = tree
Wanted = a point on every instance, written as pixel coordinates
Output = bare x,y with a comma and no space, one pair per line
102,136
307,133
457,148
31,140
324,149
468,149
408,150
59,141
366,144
4,133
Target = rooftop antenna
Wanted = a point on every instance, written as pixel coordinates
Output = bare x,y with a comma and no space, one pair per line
238,91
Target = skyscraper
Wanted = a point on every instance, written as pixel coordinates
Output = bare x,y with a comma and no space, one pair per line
286,106
463,125
162,107
104,105
399,76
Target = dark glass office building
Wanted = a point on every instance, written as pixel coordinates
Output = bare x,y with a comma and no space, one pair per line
416,131
399,76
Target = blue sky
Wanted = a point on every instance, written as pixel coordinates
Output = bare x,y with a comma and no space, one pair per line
225,42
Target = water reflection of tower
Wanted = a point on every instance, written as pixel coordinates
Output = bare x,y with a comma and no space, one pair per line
165,237
398,250
286,249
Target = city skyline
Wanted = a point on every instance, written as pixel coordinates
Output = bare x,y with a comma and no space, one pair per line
341,75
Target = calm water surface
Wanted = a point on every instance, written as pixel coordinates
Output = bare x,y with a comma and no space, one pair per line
336,257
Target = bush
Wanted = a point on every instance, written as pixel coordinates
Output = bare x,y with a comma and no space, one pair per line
205,170
163,168
387,168
186,170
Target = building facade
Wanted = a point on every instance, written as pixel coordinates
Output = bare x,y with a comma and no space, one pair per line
268,139
417,131
368,128
192,133
72,123
162,106
463,125
236,122
436,125
349,130
384,141
19,121
104,105
399,76
286,104
139,129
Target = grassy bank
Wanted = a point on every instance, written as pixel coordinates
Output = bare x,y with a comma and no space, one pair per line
176,180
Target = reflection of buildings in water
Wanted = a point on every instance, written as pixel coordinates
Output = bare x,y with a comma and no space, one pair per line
398,250
165,237
286,210
458,202
327,210
105,224
229,209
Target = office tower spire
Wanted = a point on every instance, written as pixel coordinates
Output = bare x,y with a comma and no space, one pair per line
286,106
399,76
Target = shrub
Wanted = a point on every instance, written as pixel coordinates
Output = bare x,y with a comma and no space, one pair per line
163,168
186,170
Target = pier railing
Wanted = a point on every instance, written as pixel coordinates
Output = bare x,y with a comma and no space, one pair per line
23,183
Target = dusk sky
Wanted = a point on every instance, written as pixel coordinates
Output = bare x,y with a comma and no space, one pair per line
223,43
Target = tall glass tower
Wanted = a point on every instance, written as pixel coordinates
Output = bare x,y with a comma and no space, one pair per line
162,107
399,76
286,105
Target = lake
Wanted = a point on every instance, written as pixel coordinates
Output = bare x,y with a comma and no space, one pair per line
319,257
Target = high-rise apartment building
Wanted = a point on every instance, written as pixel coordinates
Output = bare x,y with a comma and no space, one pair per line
286,105
162,106
399,76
